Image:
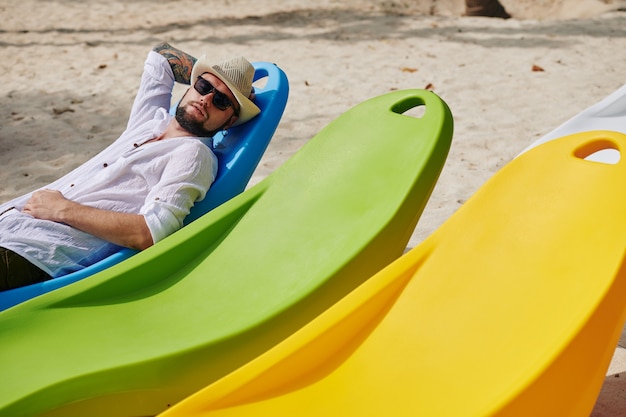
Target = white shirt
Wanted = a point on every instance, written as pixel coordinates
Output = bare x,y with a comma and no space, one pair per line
160,180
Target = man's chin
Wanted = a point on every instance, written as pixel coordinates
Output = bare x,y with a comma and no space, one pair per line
187,122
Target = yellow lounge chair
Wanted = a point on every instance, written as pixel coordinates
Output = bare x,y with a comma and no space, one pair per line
512,308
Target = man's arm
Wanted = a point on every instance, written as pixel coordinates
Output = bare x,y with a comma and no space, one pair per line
124,229
180,62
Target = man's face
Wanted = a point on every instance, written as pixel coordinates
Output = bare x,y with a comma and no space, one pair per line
205,115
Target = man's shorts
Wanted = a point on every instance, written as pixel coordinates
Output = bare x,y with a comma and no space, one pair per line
16,271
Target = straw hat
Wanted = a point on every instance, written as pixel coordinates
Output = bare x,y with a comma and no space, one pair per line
237,73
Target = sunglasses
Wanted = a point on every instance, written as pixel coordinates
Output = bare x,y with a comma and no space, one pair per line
220,100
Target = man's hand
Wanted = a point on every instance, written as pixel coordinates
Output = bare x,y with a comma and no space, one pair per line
47,205
124,229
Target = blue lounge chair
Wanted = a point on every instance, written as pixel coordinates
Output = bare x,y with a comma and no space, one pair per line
238,152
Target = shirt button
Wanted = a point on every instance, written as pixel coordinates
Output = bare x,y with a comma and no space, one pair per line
105,165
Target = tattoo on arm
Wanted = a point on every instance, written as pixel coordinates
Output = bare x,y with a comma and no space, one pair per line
180,62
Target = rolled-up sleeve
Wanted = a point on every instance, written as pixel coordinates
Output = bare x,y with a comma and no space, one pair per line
187,177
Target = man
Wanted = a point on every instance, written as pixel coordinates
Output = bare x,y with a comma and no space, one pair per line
140,188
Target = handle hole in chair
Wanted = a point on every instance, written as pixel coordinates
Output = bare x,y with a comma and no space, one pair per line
416,112
602,151
605,156
412,107
259,84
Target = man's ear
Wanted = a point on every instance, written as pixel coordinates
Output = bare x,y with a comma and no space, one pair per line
230,122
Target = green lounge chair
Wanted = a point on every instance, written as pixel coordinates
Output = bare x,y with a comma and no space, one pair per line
146,333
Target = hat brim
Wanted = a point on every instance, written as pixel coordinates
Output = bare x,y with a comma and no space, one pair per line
247,109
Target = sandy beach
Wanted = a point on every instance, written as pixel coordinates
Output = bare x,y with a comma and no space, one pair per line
71,70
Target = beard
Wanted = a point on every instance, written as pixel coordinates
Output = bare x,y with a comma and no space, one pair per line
192,126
